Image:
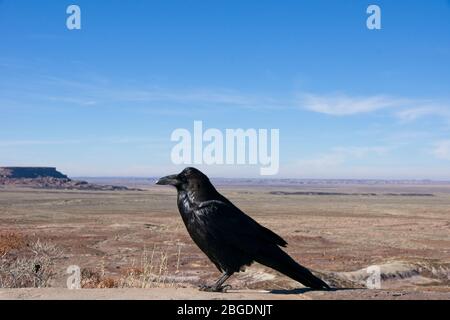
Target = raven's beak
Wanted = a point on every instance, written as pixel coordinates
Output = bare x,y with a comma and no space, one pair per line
168,180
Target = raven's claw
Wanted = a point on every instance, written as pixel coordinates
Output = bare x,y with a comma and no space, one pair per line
222,289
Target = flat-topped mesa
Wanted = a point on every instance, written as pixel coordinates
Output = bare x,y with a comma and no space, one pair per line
31,173
48,178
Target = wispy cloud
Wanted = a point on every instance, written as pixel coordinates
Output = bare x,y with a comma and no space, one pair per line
341,104
442,150
404,109
101,140
201,96
339,155
72,100
100,93
98,90
412,114
14,143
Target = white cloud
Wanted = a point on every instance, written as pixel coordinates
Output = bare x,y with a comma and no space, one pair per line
340,104
388,172
101,140
361,152
415,113
442,150
324,160
100,91
339,155
196,95
405,109
13,143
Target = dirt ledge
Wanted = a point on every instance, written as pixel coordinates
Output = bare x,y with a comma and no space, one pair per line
194,294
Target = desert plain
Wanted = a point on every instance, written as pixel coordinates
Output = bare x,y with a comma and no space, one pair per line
133,244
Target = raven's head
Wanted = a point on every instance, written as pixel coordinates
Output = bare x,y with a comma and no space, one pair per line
188,179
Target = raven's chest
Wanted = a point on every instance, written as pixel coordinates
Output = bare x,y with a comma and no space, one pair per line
187,206
204,231
196,221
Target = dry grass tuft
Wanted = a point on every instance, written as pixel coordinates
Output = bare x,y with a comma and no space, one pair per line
151,271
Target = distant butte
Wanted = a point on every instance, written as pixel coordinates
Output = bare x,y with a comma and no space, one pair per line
30,173
48,178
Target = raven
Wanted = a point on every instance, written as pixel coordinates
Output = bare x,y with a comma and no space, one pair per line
229,237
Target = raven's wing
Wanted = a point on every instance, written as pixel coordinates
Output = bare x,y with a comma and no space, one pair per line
228,224
233,226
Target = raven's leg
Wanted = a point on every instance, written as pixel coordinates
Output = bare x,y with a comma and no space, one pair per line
217,287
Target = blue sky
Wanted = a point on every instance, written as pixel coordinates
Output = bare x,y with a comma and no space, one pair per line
349,102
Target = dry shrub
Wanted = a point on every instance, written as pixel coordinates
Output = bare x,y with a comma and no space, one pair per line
96,280
30,265
108,283
10,241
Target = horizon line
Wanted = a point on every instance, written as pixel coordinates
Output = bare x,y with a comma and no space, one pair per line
268,178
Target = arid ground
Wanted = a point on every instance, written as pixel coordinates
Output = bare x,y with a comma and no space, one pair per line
133,243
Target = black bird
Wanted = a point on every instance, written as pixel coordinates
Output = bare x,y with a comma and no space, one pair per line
229,237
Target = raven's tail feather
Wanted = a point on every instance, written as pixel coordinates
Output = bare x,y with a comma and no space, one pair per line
279,260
